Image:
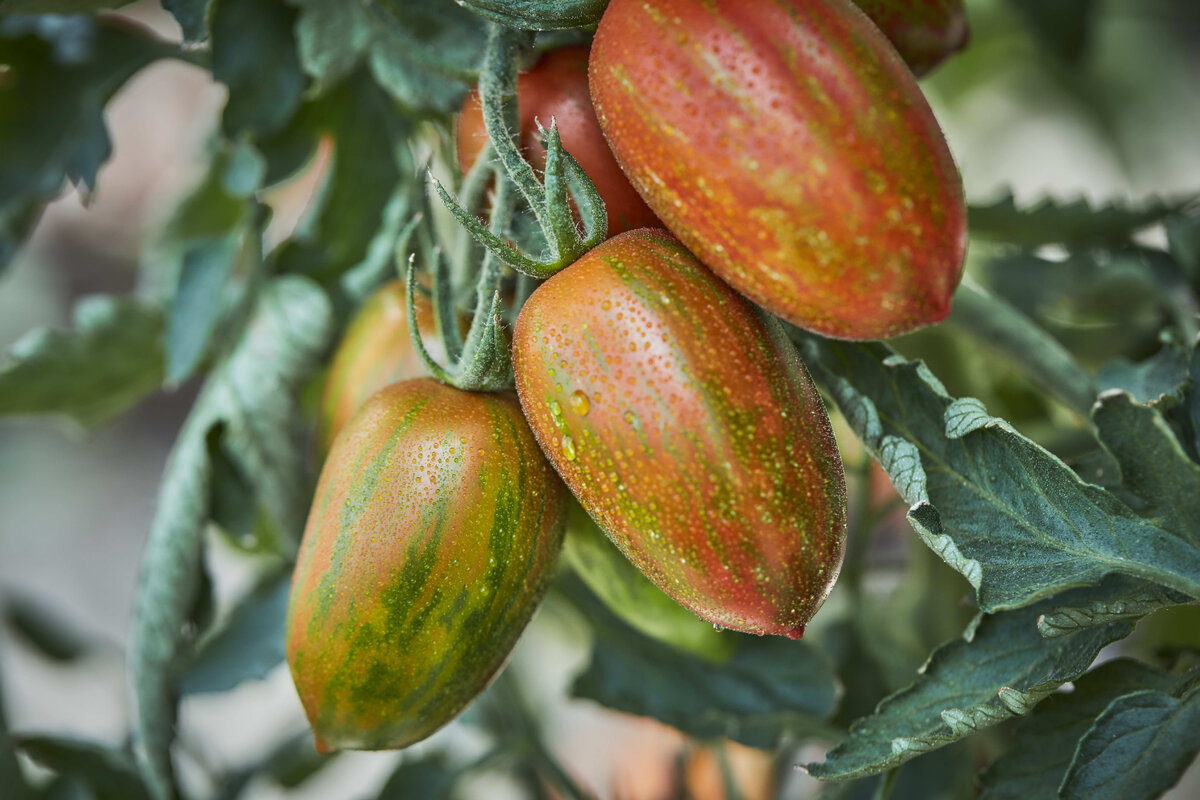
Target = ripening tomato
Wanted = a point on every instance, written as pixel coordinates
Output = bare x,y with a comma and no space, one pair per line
924,32
434,530
788,146
376,350
682,419
557,88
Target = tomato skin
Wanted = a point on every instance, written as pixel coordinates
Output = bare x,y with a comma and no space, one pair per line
687,427
433,533
925,32
557,88
375,350
787,145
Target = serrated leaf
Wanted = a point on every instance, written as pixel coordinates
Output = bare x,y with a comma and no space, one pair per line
254,54
1164,373
1124,598
1137,749
246,647
110,361
1074,222
1002,670
768,687
1007,514
1063,26
1153,464
109,774
540,15
253,394
63,72
370,163
1045,741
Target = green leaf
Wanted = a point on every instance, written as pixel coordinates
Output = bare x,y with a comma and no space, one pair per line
540,15
11,775
62,72
190,15
426,55
1007,514
44,629
1076,222
769,686
1001,668
945,774
1063,26
1164,373
107,364
203,244
1044,742
1153,464
252,394
109,773
254,54
246,647
428,778
1124,598
1183,240
371,162
1138,748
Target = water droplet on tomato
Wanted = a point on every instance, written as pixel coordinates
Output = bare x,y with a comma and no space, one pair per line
579,403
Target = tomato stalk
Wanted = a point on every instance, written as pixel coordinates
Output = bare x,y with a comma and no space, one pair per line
542,15
548,198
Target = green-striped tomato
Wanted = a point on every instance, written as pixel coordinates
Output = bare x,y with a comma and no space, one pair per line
683,421
789,147
434,530
924,32
376,350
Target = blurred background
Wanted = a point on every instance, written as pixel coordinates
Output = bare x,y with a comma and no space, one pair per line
1109,110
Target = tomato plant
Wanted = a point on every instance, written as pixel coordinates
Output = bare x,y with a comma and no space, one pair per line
556,89
790,149
435,528
688,429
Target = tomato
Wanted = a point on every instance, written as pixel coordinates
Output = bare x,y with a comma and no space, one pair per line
376,350
925,32
683,421
435,527
788,146
557,88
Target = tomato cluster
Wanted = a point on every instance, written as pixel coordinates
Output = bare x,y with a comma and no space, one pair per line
775,154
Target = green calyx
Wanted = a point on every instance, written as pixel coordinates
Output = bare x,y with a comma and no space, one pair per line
539,15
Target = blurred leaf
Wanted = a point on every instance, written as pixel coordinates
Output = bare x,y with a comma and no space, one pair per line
190,15
12,778
1008,515
1137,749
1153,465
1001,668
769,686
110,774
428,778
945,774
1164,373
43,629
254,54
370,162
998,325
111,361
246,647
58,6
252,394
1183,238
206,237
63,70
1044,742
289,764
542,15
1063,26
1075,222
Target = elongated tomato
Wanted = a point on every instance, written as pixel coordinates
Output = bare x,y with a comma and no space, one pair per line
787,145
683,421
434,530
376,350
924,32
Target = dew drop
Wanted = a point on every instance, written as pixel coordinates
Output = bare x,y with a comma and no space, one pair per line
579,403
568,447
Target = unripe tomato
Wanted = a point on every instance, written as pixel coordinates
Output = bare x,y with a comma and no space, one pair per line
433,532
375,350
924,32
557,88
683,421
788,146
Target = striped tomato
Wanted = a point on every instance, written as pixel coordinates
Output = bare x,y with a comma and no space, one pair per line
434,530
376,350
925,32
788,146
685,424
